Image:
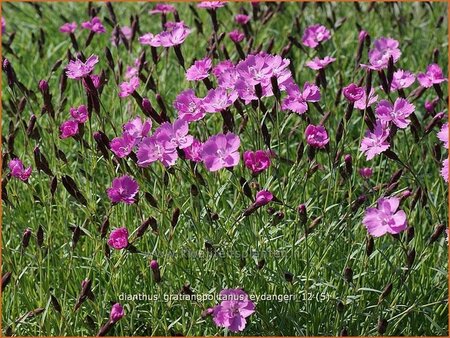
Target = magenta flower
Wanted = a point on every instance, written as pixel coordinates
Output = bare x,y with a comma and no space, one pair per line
79,114
18,171
211,4
221,151
136,129
443,135
78,69
236,35
131,72
385,218
314,35
95,25
353,93
174,36
444,170
433,75
68,27
226,74
218,100
263,197
194,151
68,129
316,136
128,88
397,113
257,161
374,143
188,106
123,145
402,79
242,19
297,101
123,189
364,102
317,63
118,238
116,313
150,40
384,49
176,133
158,147
233,310
199,70
366,172
162,9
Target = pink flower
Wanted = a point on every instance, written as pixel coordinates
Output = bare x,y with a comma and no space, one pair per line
443,135
316,136
402,79
162,9
296,100
314,35
128,88
263,197
68,27
257,161
123,145
218,100
221,151
79,114
118,238
199,70
174,36
188,106
444,170
374,143
116,313
353,93
78,69
123,189
131,72
366,172
194,151
233,310
149,39
176,133
226,74
68,129
397,113
136,129
211,4
241,19
95,25
384,49
236,35
432,76
158,147
317,63
385,218
18,171
364,102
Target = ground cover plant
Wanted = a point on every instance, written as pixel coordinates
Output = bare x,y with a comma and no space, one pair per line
224,169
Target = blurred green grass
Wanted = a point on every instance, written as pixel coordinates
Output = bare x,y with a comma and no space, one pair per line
417,304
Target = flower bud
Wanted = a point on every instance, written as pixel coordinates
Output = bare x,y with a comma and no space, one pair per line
26,238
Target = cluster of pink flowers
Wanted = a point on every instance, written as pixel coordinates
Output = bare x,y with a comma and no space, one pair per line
174,34
94,25
133,132
70,127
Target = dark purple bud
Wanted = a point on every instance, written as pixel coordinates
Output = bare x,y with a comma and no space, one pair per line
437,233
151,200
40,236
409,234
104,227
386,292
382,326
348,164
261,264
6,278
410,258
175,216
370,244
344,331
31,125
143,227
43,86
154,266
302,214
348,274
26,237
55,303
